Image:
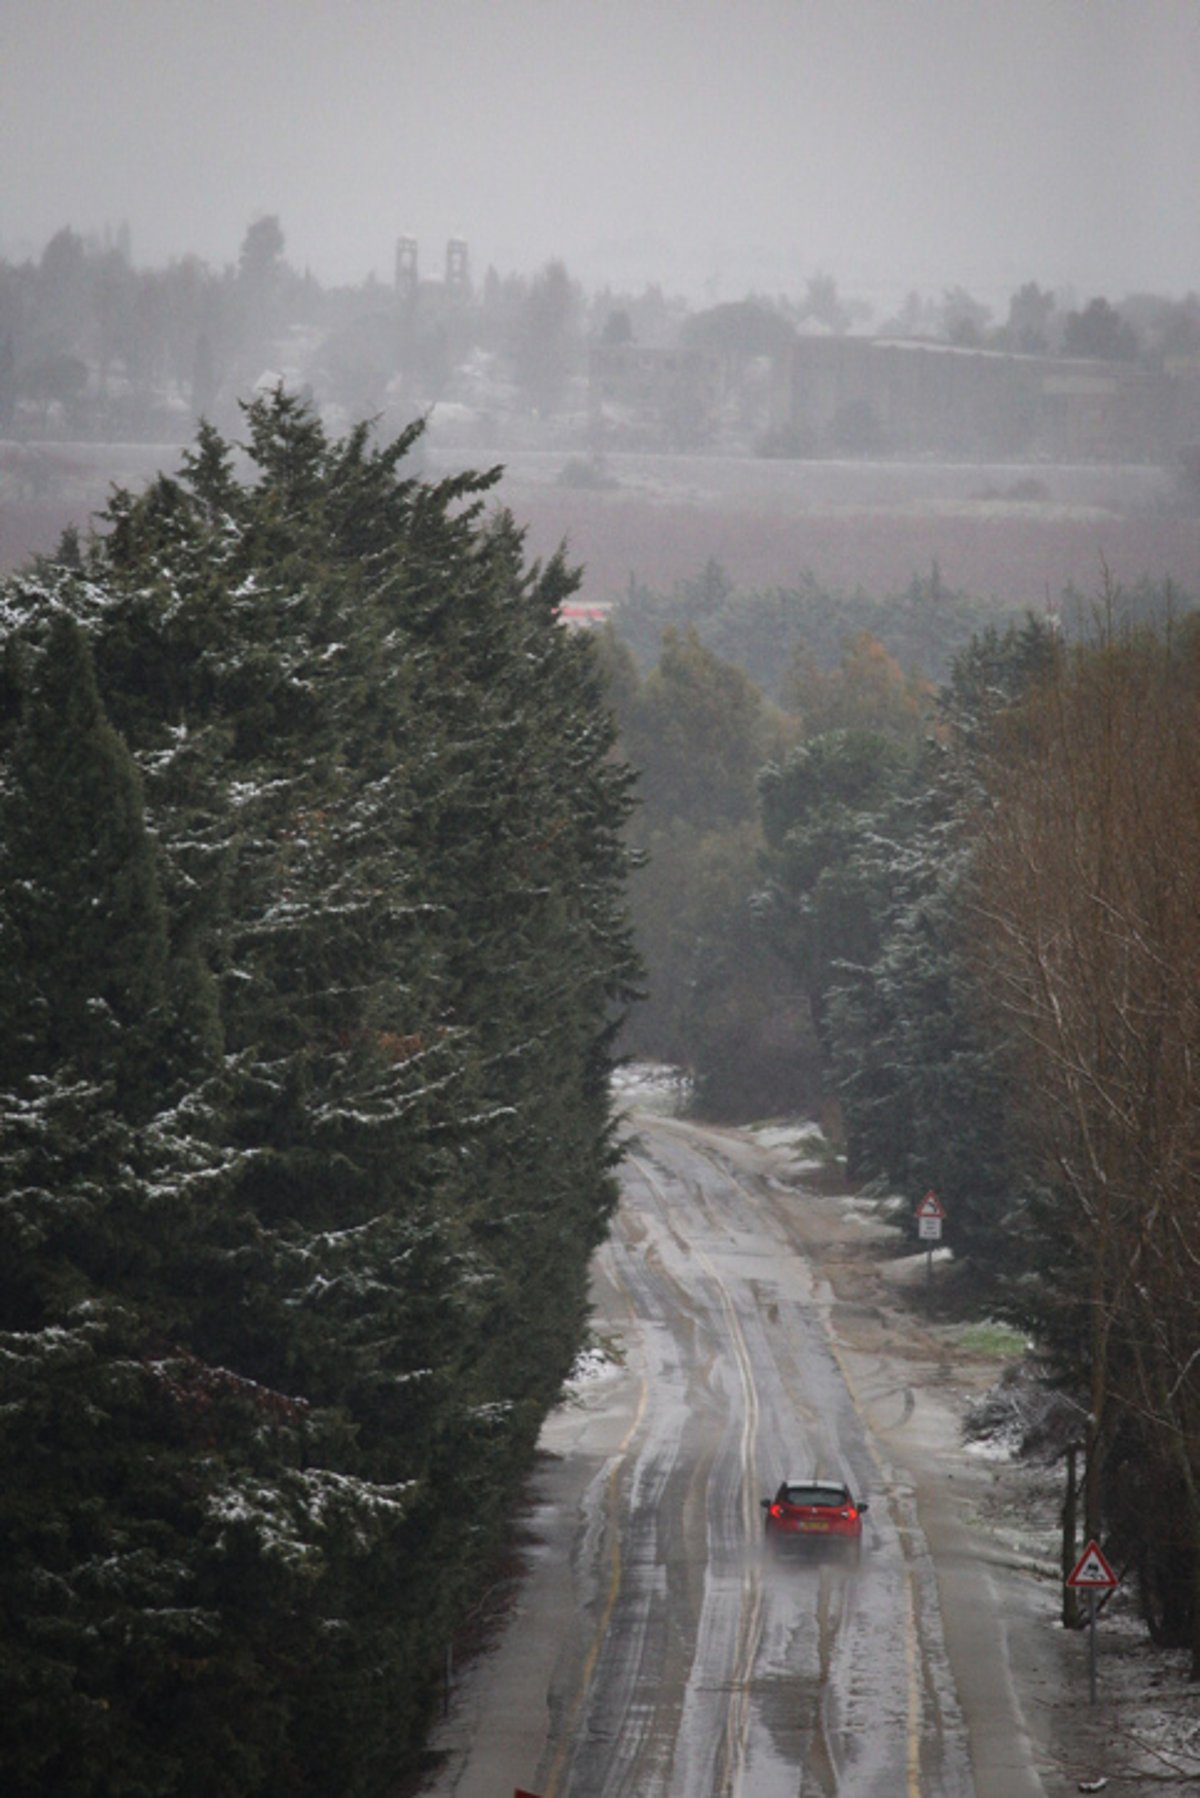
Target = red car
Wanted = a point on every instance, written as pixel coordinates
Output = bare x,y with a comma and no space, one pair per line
811,1513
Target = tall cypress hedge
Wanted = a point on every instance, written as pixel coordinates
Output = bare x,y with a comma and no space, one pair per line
314,944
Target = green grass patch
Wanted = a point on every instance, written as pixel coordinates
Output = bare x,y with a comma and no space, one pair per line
999,1342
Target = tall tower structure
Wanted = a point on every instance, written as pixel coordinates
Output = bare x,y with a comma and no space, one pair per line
406,267
458,269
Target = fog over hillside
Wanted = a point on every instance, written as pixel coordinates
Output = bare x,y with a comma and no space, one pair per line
713,148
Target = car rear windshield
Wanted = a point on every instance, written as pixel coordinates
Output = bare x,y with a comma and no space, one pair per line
817,1495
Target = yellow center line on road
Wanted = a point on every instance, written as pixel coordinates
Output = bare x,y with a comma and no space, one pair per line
735,1740
911,1638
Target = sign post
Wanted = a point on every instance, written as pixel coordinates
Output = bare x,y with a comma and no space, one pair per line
930,1214
1092,1574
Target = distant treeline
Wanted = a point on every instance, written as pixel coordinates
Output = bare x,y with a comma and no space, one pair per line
312,947
93,346
925,626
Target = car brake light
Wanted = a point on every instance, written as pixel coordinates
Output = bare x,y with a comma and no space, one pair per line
777,1510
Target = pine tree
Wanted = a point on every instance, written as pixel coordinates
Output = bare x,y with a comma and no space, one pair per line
926,1081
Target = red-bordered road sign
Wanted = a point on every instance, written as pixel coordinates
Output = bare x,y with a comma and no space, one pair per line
931,1206
1092,1572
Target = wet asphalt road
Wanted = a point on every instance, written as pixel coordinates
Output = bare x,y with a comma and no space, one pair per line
659,1650
716,1668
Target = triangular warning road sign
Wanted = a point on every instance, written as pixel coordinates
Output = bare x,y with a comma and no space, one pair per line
931,1206
1092,1569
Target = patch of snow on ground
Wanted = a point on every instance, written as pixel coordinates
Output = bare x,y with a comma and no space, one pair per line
593,1363
911,1268
1143,1733
865,1214
651,1086
789,1136
591,1367
805,1140
1004,1445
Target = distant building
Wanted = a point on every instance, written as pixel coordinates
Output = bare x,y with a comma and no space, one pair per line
458,269
901,397
660,393
859,395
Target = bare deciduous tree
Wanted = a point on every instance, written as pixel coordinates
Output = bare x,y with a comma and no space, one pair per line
1089,888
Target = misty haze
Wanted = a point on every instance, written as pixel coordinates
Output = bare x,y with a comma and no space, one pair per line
599,831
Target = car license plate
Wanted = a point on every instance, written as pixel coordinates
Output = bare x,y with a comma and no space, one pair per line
814,1526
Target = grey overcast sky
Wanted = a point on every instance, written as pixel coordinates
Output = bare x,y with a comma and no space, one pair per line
715,146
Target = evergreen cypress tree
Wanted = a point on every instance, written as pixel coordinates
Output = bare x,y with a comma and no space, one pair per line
390,950
99,1169
88,929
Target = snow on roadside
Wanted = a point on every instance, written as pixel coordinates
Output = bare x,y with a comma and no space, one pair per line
804,1142
595,1362
651,1086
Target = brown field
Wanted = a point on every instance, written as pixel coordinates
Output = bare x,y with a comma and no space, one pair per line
32,527
1016,554
851,526
44,487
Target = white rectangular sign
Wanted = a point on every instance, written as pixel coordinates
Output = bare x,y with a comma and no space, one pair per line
929,1229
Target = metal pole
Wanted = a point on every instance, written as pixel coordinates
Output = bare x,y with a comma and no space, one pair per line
1092,1647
